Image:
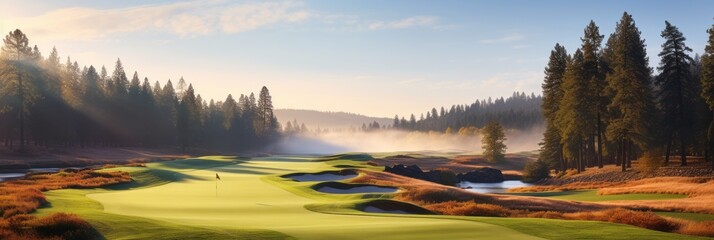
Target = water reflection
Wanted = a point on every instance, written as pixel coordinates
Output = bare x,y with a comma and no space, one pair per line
492,187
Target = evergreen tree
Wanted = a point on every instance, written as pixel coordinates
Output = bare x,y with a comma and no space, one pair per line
16,55
591,42
675,94
551,148
631,106
574,117
266,123
492,142
188,119
707,82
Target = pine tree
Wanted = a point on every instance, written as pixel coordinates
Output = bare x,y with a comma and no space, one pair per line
574,117
188,119
16,54
120,82
675,91
591,43
631,107
266,124
492,142
707,80
551,148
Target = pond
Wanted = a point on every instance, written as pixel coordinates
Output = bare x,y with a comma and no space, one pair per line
16,175
500,187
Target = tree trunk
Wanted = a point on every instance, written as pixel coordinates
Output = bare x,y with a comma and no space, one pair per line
563,164
623,158
682,150
669,148
599,141
630,153
21,94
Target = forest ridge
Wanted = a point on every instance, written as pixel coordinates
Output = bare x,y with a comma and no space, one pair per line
47,103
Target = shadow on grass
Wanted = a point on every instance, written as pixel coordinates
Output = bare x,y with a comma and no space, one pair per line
547,194
151,177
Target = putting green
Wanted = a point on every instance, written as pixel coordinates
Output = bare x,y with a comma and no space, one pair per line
182,199
244,200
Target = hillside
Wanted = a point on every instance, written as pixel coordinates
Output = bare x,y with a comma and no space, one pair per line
330,120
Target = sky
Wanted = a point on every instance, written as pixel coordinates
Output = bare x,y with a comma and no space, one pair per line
377,58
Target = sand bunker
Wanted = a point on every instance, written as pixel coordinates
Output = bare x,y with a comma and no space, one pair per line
344,188
379,210
389,206
322,176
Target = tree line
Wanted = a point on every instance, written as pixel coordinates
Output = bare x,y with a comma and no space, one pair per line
519,111
603,104
47,103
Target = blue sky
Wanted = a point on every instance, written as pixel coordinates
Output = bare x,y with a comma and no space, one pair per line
377,58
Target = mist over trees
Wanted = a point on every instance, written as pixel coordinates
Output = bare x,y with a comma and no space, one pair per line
492,142
47,103
604,104
519,111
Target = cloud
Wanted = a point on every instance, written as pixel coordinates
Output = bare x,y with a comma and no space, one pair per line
193,18
184,19
249,17
505,39
417,21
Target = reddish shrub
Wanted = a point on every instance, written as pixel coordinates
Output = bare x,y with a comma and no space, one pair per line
698,228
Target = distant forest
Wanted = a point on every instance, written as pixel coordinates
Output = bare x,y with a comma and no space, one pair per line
46,103
603,103
519,111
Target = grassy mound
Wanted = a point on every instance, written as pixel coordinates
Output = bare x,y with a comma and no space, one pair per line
347,156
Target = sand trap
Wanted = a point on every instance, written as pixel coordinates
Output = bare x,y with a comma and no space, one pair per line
361,189
390,206
344,188
322,176
379,210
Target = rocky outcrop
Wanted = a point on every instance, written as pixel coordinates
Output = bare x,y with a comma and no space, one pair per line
412,171
482,175
447,177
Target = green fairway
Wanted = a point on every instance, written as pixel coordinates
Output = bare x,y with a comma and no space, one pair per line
689,216
592,196
182,199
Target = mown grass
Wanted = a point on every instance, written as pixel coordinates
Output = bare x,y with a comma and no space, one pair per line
697,217
115,226
165,202
592,196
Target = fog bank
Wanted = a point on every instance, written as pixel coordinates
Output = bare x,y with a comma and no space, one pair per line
397,141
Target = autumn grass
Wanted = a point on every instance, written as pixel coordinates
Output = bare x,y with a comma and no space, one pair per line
593,196
18,198
454,201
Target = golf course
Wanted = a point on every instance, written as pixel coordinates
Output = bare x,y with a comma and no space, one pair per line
255,199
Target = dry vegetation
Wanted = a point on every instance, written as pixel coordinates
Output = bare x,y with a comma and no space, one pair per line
699,191
70,157
18,198
454,201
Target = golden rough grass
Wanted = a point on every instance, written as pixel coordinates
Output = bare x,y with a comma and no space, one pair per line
20,197
700,192
419,191
454,201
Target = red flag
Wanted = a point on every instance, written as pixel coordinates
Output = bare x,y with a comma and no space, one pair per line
217,177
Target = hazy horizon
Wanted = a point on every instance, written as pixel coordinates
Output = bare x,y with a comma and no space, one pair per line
339,56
